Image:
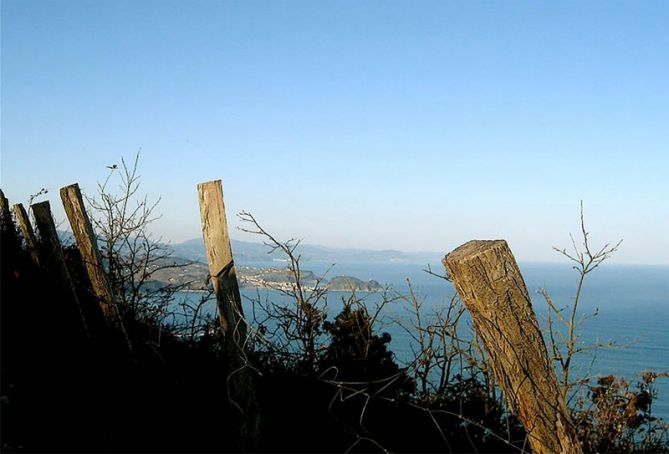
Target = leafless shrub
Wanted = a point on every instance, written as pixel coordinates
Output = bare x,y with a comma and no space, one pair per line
188,320
122,218
609,414
466,353
437,350
565,346
290,333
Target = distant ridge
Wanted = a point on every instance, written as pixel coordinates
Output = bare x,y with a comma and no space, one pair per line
246,251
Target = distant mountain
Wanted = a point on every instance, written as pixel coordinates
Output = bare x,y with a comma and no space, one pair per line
249,252
66,238
193,250
246,251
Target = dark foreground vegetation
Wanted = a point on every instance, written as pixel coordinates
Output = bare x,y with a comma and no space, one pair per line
65,391
73,384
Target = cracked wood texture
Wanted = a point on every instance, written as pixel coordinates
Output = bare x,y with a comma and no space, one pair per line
230,314
27,231
88,248
487,278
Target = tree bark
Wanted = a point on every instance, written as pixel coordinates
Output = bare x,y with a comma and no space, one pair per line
231,317
487,278
88,248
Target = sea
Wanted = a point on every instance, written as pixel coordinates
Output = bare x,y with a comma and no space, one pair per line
631,303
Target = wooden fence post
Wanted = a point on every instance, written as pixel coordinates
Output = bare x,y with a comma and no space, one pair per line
51,253
233,325
27,231
6,223
88,248
487,278
219,256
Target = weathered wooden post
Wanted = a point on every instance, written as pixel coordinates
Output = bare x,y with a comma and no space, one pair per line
6,222
219,256
51,253
88,248
233,325
27,231
487,278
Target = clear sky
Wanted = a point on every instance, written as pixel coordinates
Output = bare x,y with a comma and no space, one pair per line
410,125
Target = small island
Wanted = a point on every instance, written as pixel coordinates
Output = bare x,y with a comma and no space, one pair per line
349,283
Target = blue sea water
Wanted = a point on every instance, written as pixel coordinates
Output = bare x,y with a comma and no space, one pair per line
632,303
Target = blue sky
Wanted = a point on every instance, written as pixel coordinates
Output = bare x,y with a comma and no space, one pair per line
406,125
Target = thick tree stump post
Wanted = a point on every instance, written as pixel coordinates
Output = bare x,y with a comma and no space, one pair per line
27,231
231,317
88,248
51,254
487,278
